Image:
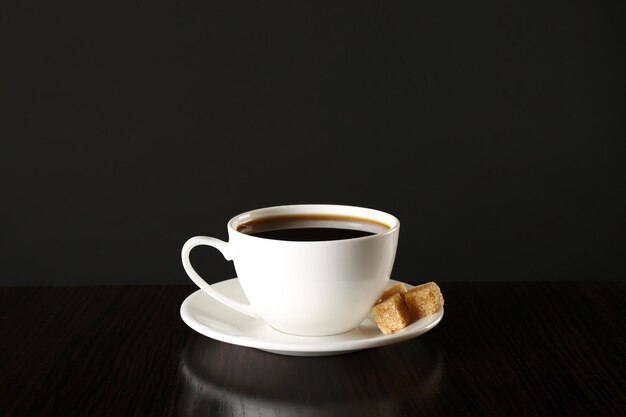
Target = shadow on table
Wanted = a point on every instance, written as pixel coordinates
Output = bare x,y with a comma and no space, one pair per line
220,379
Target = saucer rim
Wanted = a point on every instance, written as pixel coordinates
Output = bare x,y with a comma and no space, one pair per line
322,347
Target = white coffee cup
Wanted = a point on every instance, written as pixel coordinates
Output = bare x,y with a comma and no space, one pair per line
307,288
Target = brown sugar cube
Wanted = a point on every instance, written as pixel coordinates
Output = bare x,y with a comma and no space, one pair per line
423,300
398,288
392,314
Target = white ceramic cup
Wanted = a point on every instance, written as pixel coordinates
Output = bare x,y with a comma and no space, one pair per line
307,288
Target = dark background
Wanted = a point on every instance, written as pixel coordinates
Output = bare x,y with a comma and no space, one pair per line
494,131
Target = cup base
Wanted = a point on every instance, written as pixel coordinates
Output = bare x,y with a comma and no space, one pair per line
313,334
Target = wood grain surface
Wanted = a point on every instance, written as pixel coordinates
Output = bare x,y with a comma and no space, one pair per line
502,349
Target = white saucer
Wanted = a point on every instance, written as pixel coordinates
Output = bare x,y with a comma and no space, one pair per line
213,319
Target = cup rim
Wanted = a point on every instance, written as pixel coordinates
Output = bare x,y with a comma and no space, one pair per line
375,215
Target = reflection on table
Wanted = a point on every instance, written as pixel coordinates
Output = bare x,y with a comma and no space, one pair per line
221,379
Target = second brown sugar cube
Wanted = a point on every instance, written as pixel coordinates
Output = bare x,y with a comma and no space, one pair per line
424,300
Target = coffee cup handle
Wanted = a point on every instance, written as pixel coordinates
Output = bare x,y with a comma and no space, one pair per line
222,247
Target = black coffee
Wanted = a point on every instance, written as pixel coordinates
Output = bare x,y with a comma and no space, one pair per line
311,227
310,234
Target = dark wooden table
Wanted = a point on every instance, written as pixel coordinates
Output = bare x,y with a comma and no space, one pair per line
501,349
